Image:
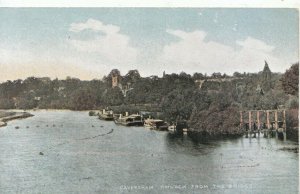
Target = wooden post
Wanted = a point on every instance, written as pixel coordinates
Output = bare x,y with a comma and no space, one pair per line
250,120
284,126
268,119
241,119
276,119
258,120
284,121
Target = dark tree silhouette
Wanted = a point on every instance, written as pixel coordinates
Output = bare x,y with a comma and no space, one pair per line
290,80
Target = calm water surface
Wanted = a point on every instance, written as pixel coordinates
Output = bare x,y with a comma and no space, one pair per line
80,157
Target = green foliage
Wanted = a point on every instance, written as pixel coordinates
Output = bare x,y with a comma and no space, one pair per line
197,76
290,80
292,123
178,105
293,103
113,96
213,108
27,101
131,77
6,103
82,99
131,109
216,121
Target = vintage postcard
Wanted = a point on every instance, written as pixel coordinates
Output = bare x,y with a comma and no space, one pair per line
125,99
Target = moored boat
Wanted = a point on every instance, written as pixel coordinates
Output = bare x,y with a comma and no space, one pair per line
180,127
172,128
131,120
156,124
106,115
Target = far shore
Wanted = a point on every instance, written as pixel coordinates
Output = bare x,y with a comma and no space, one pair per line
45,109
9,115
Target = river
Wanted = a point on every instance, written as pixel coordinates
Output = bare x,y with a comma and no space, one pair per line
70,152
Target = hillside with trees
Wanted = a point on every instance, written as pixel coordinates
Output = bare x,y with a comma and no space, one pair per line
210,108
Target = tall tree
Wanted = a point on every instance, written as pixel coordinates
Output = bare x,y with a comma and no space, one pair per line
132,76
290,80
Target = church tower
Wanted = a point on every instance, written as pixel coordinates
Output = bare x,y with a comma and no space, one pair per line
114,80
265,78
266,74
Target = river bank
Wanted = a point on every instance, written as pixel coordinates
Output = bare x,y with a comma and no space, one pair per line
6,116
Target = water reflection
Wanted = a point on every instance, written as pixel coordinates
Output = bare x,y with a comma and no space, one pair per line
187,145
82,154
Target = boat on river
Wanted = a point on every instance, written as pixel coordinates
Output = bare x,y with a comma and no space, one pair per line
131,120
172,128
156,124
106,115
180,127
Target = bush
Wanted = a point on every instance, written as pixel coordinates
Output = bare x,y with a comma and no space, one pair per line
215,121
6,103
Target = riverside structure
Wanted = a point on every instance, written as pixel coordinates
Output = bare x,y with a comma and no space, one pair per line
267,122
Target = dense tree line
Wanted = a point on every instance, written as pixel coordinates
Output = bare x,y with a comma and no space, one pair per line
214,107
290,80
290,84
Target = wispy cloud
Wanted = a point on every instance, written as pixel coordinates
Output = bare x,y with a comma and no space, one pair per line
193,53
93,47
112,47
255,45
95,25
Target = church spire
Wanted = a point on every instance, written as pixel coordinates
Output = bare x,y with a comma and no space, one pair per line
266,77
266,68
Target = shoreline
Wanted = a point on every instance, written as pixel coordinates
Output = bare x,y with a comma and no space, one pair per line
6,116
12,114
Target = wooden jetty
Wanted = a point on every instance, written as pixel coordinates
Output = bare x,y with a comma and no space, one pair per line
268,122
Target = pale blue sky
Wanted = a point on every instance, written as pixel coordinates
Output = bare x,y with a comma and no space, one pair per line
39,40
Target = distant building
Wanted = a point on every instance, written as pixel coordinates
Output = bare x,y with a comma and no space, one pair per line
37,98
265,78
116,82
266,73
